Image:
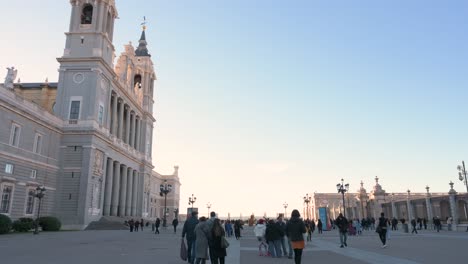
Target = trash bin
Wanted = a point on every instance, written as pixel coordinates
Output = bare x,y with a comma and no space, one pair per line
405,228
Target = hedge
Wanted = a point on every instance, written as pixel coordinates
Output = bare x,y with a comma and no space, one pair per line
50,223
5,224
23,224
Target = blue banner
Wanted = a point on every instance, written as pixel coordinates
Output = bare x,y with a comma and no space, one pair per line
323,217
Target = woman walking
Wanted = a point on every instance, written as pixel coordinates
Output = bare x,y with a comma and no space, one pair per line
319,226
201,242
382,230
295,230
219,253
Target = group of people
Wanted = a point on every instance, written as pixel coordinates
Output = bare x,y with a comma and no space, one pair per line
274,236
135,225
205,239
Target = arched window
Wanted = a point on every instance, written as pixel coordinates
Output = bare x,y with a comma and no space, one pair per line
87,15
137,81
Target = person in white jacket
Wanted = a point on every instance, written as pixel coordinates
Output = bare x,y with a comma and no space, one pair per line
259,231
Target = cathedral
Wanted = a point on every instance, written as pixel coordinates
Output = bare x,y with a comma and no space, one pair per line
86,139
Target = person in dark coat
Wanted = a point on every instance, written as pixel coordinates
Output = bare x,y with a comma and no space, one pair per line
273,235
201,241
157,224
382,226
413,226
342,224
295,229
217,233
320,226
131,224
141,224
189,233
175,222
237,229
137,224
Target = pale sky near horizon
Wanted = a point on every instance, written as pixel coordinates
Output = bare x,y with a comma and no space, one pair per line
261,102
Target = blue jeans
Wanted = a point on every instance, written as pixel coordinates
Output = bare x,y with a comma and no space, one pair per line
343,237
283,244
274,247
191,250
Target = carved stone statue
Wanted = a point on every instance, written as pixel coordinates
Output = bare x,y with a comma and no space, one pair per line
10,77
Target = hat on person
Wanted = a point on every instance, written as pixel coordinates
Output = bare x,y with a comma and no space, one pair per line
261,221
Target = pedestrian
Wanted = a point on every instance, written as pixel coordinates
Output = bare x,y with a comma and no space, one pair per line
382,230
137,224
425,223
342,224
175,222
394,223
413,226
141,224
131,223
188,232
259,231
201,241
273,235
217,233
157,224
437,224
295,229
237,229
284,240
319,226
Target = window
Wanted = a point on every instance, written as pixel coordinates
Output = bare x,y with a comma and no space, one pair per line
87,15
30,198
75,110
15,135
101,114
7,191
9,168
137,81
33,174
37,143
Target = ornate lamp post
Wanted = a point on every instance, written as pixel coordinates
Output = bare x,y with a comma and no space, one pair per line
462,174
307,199
164,190
39,194
342,188
208,205
285,205
192,200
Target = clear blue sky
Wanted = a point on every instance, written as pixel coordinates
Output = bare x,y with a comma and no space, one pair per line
261,102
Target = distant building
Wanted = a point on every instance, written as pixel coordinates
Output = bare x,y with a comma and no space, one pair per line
399,205
87,138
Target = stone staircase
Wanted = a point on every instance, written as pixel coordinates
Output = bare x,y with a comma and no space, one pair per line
108,223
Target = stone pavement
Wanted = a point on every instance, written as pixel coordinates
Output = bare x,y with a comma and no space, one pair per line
119,247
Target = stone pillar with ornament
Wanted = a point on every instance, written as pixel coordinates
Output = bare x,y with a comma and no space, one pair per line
453,206
430,213
409,206
394,210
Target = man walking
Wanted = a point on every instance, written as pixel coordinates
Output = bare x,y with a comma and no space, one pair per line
382,229
284,240
342,224
157,224
189,234
413,226
175,222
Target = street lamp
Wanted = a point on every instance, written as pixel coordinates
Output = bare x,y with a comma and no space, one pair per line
462,174
285,206
342,188
192,200
164,190
307,199
208,205
39,194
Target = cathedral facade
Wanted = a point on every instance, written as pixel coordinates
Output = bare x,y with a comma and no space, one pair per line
87,138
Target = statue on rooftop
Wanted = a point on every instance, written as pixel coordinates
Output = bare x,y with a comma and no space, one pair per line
10,77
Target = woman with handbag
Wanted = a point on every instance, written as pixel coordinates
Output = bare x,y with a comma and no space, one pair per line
219,243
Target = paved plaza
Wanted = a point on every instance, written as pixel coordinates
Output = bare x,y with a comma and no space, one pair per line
119,247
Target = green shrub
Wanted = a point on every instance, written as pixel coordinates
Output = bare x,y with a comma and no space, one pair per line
50,223
23,224
5,224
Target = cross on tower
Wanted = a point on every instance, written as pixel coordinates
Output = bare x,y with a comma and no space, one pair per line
144,23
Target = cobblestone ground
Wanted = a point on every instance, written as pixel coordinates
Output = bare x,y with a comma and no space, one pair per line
119,247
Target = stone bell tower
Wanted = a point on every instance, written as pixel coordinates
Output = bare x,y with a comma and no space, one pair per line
86,67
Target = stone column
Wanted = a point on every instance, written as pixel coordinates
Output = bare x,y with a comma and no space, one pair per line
115,189
453,206
114,116
409,207
137,134
108,186
135,193
102,16
123,191
132,134
128,204
75,17
127,126
430,214
121,111
394,210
